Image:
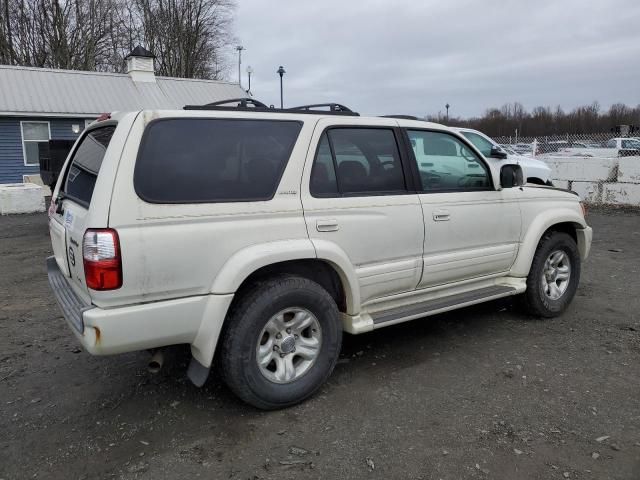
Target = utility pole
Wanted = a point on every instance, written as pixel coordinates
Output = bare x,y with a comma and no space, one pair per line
281,71
249,72
239,48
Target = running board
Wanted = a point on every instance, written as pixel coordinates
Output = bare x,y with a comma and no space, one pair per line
395,315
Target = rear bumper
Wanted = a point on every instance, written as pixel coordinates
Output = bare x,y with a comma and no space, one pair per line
139,327
72,306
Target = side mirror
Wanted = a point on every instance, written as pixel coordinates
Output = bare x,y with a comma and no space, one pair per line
511,175
497,152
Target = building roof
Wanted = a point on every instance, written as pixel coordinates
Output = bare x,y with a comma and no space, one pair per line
28,91
140,51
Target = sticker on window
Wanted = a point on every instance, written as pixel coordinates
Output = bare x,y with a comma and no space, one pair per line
68,219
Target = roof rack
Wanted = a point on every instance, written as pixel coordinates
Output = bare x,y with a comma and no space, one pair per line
253,105
401,117
244,102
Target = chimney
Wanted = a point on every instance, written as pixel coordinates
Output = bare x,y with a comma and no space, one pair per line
140,65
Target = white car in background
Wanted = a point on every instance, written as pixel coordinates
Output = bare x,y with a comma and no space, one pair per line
535,171
624,146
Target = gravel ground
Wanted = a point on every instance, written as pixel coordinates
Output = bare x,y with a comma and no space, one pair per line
479,393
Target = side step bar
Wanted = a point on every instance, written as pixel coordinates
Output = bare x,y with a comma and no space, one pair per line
441,304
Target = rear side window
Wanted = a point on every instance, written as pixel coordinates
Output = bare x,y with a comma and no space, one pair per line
86,163
199,160
357,161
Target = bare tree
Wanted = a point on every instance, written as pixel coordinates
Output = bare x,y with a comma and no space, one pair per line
189,37
545,121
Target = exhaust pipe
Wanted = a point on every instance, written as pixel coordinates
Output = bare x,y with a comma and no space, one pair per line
156,361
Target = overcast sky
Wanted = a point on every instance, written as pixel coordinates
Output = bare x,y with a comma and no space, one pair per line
412,57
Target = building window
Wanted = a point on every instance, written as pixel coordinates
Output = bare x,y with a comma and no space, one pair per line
34,134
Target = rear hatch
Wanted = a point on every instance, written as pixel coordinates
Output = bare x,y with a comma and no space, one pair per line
68,215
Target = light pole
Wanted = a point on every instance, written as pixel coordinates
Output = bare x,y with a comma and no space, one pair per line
249,72
281,71
239,48
447,107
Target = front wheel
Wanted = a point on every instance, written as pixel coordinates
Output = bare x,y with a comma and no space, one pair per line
281,342
554,276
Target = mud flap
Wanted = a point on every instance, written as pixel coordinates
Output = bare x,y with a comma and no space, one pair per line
197,373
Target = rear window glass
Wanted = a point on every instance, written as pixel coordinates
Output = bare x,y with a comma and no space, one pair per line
195,160
86,163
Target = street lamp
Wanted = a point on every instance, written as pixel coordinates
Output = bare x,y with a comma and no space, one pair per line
249,72
239,48
281,71
447,107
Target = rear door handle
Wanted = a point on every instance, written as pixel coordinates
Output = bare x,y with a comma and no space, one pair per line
441,216
327,225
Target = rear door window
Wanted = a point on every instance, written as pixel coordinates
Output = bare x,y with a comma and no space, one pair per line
205,160
357,161
82,174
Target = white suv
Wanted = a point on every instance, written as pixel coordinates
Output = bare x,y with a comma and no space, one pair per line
535,171
260,235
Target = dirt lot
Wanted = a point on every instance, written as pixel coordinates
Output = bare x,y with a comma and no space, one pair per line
479,393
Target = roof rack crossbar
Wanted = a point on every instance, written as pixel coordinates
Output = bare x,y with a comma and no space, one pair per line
333,107
401,117
244,102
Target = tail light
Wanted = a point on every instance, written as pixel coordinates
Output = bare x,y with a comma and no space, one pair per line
102,261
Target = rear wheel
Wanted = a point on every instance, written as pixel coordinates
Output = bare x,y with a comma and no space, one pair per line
554,276
281,342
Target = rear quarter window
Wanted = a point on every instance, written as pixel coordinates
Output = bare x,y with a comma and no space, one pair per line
85,166
203,160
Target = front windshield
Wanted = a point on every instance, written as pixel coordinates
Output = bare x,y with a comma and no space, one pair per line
479,142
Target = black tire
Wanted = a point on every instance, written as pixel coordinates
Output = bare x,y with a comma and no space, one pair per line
534,300
244,324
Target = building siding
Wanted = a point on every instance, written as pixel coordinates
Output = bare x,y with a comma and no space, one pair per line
12,167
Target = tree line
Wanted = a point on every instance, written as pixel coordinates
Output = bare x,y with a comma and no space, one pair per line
188,37
498,122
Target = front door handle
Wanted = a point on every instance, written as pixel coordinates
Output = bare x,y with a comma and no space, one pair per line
327,225
441,216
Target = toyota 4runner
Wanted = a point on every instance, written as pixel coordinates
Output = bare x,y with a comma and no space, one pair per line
260,235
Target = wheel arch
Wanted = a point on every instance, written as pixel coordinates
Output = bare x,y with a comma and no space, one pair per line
330,267
324,273
566,221
249,265
536,181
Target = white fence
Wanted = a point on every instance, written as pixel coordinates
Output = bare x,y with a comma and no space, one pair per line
602,168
